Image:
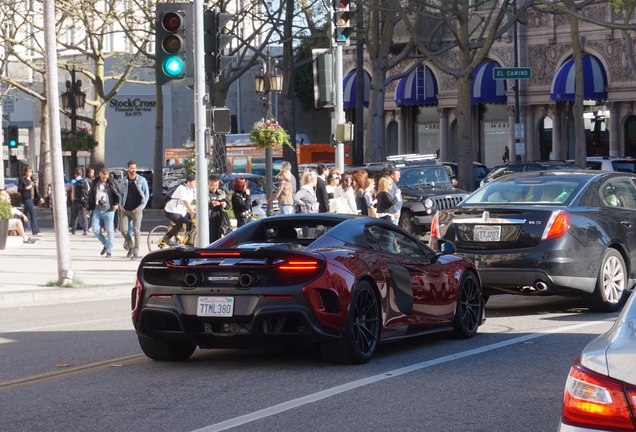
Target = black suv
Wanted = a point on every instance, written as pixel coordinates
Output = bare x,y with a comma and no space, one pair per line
426,188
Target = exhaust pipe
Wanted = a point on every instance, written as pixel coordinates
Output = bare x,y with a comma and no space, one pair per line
539,286
246,280
190,280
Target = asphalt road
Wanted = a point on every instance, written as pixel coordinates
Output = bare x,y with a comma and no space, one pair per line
78,367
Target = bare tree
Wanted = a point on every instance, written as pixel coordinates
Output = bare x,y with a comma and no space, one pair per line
456,36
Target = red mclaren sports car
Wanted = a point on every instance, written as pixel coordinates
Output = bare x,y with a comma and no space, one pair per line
342,283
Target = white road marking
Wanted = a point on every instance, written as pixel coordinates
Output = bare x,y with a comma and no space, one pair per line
4,341
324,394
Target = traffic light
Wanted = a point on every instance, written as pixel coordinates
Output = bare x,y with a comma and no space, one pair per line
215,39
173,42
12,136
342,22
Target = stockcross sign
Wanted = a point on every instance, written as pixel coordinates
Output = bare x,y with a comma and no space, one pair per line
501,73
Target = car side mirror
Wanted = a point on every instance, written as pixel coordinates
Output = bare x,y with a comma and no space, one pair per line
447,247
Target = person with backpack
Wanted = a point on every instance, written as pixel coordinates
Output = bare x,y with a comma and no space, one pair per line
103,200
79,201
179,207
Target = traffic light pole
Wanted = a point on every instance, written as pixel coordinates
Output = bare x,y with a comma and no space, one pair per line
339,115
200,101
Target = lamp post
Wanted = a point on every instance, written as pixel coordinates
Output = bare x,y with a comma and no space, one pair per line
72,99
266,82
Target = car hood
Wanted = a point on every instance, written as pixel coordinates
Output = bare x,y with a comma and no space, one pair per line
612,354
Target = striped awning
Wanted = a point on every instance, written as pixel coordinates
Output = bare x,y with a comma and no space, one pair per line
594,80
349,90
418,88
485,89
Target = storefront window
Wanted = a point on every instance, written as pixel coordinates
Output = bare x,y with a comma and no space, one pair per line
427,130
495,133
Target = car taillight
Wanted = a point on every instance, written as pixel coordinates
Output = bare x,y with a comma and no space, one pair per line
596,401
435,226
299,265
558,225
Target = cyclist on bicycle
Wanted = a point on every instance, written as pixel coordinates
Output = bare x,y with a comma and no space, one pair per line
179,208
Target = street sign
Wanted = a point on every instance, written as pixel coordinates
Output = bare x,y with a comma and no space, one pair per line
501,73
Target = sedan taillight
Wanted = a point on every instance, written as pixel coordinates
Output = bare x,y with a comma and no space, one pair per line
558,225
596,401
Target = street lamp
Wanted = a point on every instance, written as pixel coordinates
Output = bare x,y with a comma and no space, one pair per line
73,98
266,82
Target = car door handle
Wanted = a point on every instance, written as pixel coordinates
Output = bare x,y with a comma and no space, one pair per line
626,223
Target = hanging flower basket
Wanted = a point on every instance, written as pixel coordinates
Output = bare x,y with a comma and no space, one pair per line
268,133
79,140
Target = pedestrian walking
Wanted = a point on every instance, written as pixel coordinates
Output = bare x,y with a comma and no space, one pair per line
217,215
103,201
133,197
396,193
30,196
305,198
285,193
242,203
80,189
321,188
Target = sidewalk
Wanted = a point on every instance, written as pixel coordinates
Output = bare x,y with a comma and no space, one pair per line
26,270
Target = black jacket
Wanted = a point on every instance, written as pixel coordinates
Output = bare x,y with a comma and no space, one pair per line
25,193
111,189
322,196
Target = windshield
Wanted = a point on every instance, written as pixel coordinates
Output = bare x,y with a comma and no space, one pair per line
424,176
535,190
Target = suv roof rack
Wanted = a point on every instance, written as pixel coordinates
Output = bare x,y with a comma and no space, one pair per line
411,157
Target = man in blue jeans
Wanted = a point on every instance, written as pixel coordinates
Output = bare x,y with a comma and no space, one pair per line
103,201
134,195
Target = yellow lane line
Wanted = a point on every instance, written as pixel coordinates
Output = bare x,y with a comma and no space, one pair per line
67,372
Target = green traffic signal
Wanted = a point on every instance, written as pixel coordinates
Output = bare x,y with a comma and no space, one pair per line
173,66
12,136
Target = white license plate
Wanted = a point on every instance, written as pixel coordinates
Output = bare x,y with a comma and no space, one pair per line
487,233
215,306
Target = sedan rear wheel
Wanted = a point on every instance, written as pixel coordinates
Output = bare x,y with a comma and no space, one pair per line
610,294
470,307
360,338
162,350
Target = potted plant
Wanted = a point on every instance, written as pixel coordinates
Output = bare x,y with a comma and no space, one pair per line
268,133
5,215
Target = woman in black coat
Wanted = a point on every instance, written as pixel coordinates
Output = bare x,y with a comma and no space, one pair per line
28,190
242,201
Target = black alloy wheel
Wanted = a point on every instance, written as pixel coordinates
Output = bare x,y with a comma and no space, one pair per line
470,307
360,339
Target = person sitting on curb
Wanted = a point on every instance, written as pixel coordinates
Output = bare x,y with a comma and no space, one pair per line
19,219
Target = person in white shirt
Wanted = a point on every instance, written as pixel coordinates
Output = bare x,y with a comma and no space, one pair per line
179,209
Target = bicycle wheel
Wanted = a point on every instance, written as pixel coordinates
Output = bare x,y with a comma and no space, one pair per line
155,238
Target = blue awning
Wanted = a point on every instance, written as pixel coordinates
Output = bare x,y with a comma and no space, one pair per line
349,90
417,88
594,82
485,89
